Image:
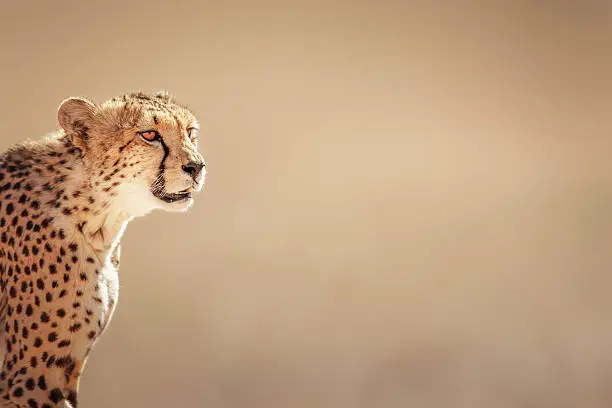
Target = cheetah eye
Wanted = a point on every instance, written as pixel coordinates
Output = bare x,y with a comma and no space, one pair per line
193,133
150,135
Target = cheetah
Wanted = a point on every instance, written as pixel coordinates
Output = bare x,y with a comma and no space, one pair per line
64,205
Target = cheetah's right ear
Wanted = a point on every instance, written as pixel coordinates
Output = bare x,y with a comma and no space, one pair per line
74,116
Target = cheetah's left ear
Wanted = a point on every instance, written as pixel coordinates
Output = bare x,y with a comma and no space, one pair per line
74,116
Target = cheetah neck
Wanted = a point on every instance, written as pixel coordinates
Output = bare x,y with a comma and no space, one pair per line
72,194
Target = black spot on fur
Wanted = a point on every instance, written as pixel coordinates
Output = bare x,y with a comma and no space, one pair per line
42,383
56,395
63,343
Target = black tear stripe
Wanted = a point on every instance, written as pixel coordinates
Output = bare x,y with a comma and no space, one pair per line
162,165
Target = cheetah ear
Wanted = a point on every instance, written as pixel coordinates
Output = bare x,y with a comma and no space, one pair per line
74,116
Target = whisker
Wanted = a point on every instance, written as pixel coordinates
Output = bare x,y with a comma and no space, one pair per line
158,185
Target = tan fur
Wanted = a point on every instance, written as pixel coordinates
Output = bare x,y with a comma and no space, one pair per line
64,204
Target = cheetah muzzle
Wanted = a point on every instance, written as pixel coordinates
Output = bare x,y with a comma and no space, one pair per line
64,204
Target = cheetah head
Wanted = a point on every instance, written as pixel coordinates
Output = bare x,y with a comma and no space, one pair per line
141,149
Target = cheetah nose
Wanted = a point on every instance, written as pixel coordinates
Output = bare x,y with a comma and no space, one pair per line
194,169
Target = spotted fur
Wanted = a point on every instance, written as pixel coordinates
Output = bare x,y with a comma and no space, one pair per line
64,204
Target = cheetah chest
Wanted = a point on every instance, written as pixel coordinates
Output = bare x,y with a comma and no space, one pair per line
99,300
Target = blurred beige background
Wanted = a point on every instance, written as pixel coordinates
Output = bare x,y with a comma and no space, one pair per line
408,203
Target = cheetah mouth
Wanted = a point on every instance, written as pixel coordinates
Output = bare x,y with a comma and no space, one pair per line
183,195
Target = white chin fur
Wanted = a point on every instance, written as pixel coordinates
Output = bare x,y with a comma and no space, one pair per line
180,206
138,200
